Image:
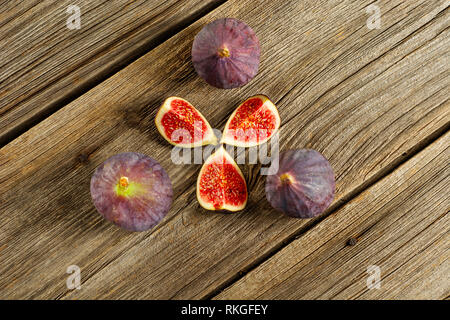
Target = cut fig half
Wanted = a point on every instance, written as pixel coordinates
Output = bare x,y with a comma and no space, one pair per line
221,184
182,125
254,122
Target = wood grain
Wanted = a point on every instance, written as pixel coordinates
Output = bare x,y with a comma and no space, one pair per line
400,224
44,64
364,98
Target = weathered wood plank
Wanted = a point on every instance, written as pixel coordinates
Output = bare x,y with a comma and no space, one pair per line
362,97
401,225
44,64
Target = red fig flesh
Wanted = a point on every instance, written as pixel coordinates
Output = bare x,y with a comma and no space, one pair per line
254,122
221,184
225,53
181,124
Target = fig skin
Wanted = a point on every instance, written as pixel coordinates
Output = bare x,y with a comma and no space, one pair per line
131,190
304,185
226,53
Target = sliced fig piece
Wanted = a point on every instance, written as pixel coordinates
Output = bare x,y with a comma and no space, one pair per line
304,185
254,122
181,124
131,190
221,184
225,53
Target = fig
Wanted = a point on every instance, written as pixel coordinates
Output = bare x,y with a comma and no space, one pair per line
221,184
131,190
181,124
254,122
304,185
225,53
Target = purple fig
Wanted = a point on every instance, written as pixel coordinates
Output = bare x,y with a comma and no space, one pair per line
225,53
304,185
131,190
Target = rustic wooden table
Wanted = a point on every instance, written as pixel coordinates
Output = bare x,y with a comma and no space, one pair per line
373,101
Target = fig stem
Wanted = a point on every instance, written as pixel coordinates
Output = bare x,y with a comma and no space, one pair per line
223,52
286,178
123,182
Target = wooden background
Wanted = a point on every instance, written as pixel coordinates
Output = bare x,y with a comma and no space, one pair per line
374,102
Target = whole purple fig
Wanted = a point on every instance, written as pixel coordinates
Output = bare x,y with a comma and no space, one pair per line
131,190
304,185
225,53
